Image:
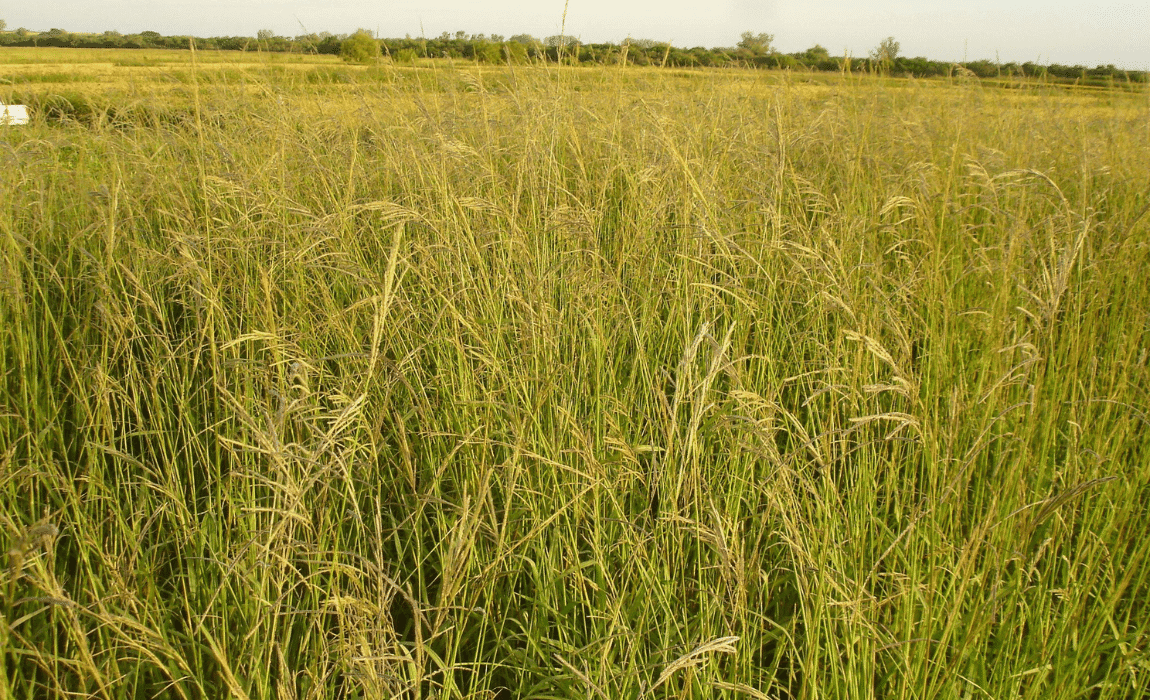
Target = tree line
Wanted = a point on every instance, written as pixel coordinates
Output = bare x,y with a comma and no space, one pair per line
753,50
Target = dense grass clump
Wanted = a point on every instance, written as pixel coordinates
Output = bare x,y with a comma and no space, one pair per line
600,383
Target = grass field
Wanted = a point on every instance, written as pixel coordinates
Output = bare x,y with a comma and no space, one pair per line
456,382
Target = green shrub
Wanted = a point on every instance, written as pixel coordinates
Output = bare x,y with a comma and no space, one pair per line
360,47
487,52
514,52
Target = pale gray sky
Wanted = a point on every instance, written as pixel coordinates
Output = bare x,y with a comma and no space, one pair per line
1048,31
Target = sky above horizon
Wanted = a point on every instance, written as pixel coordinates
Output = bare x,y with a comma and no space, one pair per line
1053,31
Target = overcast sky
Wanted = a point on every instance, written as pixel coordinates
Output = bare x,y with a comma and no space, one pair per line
1047,31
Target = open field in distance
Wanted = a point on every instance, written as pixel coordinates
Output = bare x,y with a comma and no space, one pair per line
458,381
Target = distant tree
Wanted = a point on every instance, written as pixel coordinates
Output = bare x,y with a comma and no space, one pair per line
816,54
329,44
359,48
757,43
886,52
461,35
497,38
3,25
265,34
524,39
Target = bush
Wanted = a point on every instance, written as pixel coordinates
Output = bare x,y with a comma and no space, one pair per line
515,52
486,52
983,68
360,47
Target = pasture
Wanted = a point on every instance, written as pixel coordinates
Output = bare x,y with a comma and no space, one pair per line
450,381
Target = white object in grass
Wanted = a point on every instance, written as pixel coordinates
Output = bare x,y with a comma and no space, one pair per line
11,115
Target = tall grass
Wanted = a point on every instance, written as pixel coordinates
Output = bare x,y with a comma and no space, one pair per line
605,383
